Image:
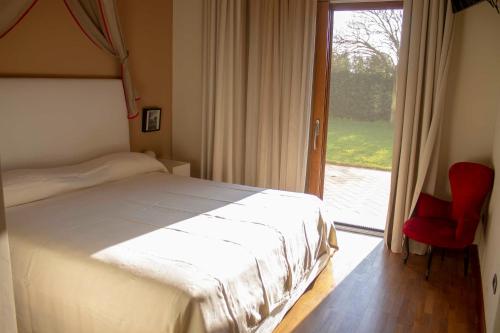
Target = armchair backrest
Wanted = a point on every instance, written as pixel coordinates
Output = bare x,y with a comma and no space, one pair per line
470,185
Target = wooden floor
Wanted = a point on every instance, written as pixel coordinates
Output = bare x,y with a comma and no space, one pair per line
368,289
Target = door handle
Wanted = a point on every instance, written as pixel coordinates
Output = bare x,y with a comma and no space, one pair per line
316,133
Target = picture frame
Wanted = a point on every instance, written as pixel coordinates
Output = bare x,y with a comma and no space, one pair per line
151,119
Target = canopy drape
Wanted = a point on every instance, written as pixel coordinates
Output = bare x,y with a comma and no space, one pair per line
257,87
424,60
12,12
99,20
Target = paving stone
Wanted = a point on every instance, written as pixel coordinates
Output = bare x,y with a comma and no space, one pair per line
357,196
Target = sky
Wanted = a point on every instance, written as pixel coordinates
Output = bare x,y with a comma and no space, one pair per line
340,21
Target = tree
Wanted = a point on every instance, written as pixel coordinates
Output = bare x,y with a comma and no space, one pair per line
372,34
364,59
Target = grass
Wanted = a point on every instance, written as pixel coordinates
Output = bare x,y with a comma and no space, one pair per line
366,144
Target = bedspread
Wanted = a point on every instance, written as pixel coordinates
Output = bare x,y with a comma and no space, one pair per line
162,253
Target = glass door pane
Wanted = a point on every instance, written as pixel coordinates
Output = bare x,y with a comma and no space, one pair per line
362,89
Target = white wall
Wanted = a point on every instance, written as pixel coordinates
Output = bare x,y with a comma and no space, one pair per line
496,327
473,91
7,308
186,82
489,247
470,125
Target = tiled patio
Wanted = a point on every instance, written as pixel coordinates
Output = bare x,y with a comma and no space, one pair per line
357,196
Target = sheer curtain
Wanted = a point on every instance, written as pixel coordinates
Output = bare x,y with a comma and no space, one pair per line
224,90
421,83
98,19
257,86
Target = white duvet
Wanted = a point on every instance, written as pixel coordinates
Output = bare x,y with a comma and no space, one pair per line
160,253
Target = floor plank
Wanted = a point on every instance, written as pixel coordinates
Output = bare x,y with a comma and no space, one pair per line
366,288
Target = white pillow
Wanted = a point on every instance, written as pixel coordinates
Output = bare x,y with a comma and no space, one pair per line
28,185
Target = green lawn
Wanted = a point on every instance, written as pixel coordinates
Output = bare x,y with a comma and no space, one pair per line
359,143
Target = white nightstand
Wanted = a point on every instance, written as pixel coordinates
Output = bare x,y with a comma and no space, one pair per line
177,168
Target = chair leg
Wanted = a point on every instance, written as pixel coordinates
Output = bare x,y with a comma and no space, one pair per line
429,262
406,243
466,260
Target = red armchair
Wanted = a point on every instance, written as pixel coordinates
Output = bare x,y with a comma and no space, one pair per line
451,225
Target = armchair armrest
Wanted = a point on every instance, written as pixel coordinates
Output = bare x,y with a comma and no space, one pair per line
432,207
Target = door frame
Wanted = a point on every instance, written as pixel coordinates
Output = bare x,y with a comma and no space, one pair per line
366,5
318,127
320,100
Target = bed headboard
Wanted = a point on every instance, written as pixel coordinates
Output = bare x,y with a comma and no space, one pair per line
53,122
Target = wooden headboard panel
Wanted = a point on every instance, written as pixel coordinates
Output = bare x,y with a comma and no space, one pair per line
53,122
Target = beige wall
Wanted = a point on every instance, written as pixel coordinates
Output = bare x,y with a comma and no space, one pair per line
473,91
48,43
7,308
489,247
470,124
186,87
496,327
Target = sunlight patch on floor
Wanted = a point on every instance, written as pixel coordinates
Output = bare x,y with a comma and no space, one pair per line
353,249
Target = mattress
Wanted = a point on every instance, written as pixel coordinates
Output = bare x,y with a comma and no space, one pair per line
160,253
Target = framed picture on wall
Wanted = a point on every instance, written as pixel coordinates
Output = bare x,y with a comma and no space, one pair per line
151,118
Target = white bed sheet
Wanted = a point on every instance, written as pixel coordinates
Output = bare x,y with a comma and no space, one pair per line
161,253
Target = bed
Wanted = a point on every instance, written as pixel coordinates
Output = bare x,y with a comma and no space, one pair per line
106,240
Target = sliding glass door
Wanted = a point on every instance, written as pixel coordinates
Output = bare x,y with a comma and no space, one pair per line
356,156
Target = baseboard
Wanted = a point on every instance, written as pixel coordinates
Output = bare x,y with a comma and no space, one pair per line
476,270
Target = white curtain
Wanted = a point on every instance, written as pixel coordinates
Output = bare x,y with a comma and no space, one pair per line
257,86
99,20
421,84
224,89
